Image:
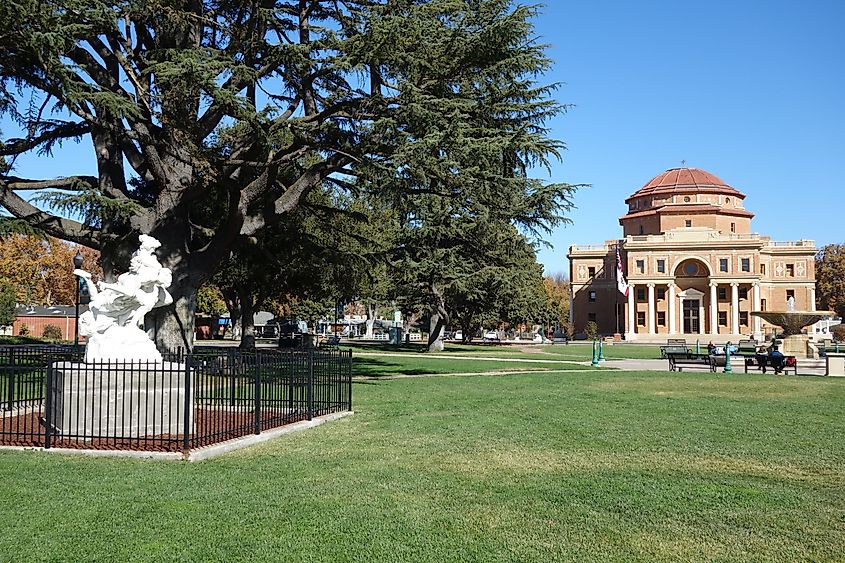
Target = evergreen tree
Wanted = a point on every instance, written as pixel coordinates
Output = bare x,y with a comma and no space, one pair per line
830,279
248,106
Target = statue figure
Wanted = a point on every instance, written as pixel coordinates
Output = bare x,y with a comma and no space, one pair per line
115,316
790,304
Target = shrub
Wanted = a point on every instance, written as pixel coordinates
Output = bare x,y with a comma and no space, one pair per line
838,332
52,332
591,330
23,330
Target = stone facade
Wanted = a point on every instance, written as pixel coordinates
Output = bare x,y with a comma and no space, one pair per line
692,264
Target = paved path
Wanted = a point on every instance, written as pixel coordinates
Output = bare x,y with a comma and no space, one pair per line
805,366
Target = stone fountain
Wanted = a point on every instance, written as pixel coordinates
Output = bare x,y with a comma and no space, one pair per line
795,343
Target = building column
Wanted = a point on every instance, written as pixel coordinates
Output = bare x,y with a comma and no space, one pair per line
812,306
632,320
681,314
652,313
701,315
671,303
755,300
714,308
735,308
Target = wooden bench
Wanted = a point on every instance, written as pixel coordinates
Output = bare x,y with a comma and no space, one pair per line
676,349
754,362
746,348
677,362
331,343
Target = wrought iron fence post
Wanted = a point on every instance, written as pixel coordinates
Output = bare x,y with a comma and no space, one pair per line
10,387
189,407
309,391
48,404
258,393
231,363
349,382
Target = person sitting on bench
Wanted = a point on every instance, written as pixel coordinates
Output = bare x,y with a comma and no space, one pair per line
711,348
761,356
776,359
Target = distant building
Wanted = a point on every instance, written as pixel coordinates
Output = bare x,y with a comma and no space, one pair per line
36,318
693,266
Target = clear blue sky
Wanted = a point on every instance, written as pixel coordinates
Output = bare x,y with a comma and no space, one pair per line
751,91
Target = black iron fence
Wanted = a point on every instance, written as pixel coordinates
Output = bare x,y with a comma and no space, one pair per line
49,398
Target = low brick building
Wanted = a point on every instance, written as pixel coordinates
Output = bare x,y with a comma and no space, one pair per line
36,318
693,265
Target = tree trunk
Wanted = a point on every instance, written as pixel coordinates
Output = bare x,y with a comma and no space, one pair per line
437,322
247,317
173,326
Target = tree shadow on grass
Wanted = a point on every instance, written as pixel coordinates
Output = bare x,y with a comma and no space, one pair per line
374,367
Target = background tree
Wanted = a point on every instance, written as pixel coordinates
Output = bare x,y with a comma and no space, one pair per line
41,269
557,290
267,101
830,279
8,302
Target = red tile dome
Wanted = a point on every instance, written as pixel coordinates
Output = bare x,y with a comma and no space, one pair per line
685,180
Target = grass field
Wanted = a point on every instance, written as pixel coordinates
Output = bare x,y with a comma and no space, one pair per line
576,351
590,465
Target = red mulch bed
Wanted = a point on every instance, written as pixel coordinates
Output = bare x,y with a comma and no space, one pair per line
211,427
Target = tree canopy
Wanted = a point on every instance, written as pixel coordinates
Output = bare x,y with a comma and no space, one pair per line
830,279
210,121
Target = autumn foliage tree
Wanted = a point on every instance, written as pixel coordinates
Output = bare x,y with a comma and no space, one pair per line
830,279
41,269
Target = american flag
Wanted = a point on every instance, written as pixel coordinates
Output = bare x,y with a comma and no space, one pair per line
621,284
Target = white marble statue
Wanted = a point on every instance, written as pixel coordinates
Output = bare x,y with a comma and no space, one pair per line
115,316
790,304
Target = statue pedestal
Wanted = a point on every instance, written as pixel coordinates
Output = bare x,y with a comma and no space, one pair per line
119,400
835,364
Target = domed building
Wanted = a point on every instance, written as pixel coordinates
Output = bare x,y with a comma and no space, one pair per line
692,264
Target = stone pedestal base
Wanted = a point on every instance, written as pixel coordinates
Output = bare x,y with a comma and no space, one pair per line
119,401
796,345
835,364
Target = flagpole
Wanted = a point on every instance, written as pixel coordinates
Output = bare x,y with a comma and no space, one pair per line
616,293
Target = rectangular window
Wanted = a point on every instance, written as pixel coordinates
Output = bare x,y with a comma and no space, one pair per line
743,318
641,266
591,271
723,293
591,317
733,227
661,266
762,304
661,318
661,292
640,294
641,318
723,318
790,293
688,223
762,269
723,264
746,264
790,270
743,293
592,295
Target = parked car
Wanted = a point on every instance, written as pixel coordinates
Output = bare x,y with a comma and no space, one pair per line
490,335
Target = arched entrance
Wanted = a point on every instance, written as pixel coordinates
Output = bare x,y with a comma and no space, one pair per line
692,277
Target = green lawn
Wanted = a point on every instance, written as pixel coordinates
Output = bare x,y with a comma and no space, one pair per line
378,364
593,466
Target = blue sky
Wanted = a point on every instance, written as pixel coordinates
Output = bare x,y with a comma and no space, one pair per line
750,91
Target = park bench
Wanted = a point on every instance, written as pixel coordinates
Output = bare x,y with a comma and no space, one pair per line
331,343
760,363
679,361
674,346
746,348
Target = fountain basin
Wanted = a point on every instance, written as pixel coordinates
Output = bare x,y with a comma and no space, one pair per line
792,321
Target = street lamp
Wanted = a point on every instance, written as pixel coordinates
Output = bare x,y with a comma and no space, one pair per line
77,263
